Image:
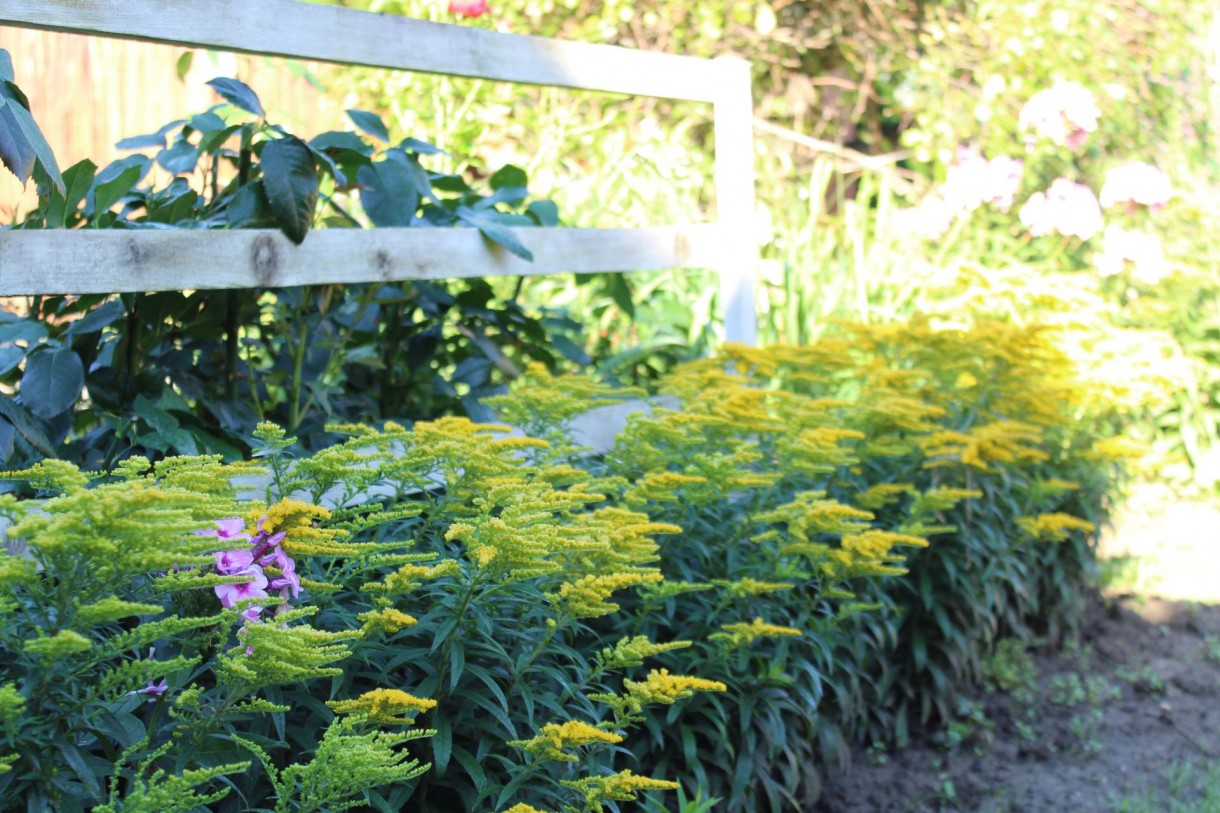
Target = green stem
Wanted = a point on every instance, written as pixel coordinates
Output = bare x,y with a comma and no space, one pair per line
232,309
298,363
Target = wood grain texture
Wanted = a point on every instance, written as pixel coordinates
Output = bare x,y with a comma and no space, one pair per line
107,261
331,34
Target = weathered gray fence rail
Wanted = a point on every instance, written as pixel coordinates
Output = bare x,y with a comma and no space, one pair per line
80,261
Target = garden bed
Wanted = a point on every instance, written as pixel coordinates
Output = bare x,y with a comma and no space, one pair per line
1126,721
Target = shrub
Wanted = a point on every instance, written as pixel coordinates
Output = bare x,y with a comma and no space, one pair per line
488,621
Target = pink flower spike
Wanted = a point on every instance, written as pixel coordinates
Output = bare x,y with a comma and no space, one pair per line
232,562
251,614
288,583
468,8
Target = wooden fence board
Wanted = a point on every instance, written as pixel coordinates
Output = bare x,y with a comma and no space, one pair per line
107,261
290,28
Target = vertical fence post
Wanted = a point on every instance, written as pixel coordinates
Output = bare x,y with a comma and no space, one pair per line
738,265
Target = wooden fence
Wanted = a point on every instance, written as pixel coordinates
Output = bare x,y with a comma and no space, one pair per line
78,261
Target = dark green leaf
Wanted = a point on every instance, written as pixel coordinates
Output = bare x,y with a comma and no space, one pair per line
249,208
341,140
21,124
15,152
6,67
10,357
238,94
290,179
8,440
388,191
370,123
105,193
442,744
29,431
77,181
96,319
206,122
420,147
508,175
179,158
52,382
494,231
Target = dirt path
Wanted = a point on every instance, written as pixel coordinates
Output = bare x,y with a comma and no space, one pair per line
1132,711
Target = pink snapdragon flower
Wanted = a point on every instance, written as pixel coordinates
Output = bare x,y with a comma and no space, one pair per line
973,181
1068,208
468,8
1065,113
1135,184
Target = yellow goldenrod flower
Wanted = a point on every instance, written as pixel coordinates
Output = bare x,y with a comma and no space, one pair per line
1054,527
384,706
741,635
662,687
553,739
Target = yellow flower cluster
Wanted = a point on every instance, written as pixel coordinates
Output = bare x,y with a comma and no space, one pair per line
1054,527
588,596
554,739
741,635
385,620
664,688
633,651
618,787
384,706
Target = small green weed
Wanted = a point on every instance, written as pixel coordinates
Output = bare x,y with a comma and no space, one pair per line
1009,667
1189,791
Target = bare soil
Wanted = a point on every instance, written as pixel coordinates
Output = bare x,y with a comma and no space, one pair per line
1116,715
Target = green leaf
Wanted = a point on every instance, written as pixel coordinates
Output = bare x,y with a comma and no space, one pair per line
96,319
494,231
15,414
156,139
17,127
341,140
238,94
8,440
15,152
370,123
77,181
10,357
248,208
6,67
108,189
507,176
420,147
442,745
52,382
290,179
180,158
183,66
387,190
544,212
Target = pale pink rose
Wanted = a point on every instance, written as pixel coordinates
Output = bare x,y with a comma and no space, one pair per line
1068,208
1064,113
468,8
973,181
1136,183
930,219
1142,250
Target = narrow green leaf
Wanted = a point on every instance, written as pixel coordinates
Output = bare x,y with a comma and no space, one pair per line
442,745
290,179
106,192
238,94
6,67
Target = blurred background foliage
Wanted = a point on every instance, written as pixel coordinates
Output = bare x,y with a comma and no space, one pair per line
861,108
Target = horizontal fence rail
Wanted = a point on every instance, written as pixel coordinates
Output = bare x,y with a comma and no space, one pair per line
104,261
108,261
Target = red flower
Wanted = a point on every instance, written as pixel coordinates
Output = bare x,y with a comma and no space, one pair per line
468,8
